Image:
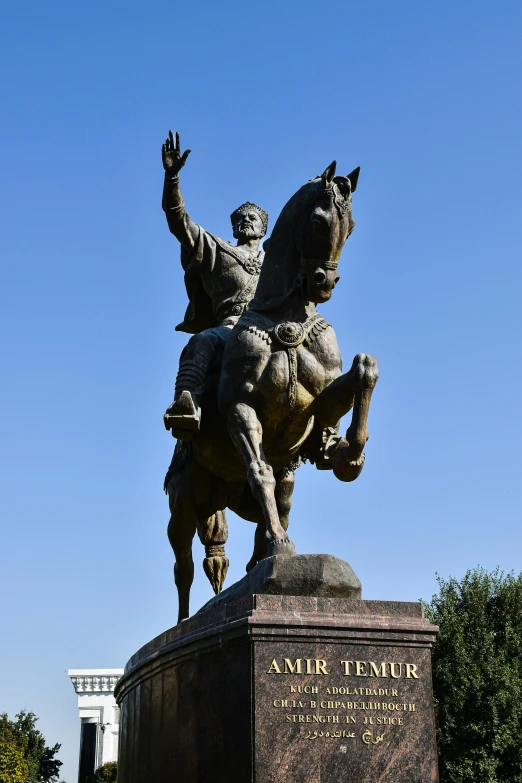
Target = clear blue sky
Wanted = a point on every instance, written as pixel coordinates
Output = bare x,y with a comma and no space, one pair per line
426,98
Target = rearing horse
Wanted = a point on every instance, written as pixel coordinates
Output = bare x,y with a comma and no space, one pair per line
277,397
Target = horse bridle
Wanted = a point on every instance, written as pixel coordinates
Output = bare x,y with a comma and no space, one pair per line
319,262
342,204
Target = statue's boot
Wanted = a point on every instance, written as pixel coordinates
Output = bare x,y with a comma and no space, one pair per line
183,417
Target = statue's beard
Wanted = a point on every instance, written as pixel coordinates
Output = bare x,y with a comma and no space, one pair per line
246,231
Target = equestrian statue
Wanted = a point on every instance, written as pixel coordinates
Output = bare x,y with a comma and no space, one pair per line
260,387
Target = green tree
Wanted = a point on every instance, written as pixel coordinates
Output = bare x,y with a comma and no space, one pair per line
49,769
42,766
13,766
107,773
477,677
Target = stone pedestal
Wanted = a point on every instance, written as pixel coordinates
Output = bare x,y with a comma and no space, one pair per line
272,688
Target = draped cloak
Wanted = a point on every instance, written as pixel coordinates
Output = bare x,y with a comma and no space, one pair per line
219,279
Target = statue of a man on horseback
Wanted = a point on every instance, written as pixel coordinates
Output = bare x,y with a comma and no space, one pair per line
261,388
220,279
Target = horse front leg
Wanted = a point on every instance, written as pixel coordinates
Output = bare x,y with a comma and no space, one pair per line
246,433
283,495
354,388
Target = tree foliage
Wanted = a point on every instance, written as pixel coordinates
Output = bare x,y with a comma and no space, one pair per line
41,764
477,677
107,773
49,769
13,766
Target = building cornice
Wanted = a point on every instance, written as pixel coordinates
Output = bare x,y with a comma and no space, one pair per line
94,680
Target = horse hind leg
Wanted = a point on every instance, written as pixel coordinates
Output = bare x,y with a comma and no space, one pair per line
181,531
213,534
259,552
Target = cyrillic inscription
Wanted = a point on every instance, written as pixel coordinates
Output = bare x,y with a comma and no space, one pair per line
382,706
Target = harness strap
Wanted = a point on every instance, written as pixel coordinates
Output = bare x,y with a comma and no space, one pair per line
289,335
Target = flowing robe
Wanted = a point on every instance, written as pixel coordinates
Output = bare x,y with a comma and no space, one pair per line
220,278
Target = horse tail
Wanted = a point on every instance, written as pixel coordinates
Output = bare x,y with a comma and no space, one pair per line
213,535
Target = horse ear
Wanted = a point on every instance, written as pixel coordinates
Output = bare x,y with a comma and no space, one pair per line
328,174
354,177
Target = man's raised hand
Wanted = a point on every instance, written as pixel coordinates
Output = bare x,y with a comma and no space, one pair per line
173,160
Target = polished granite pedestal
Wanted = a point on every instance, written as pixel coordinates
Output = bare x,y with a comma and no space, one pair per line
271,688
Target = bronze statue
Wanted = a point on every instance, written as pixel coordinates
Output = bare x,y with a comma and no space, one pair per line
272,394
220,279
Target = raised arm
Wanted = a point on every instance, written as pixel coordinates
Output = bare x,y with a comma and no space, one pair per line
180,224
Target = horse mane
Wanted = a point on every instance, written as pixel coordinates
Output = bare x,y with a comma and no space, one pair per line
282,259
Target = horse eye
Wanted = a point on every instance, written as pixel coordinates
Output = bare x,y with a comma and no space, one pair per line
320,227
320,221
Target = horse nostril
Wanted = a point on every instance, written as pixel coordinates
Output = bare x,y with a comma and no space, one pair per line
319,277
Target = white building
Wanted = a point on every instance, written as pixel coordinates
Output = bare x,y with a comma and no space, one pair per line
99,715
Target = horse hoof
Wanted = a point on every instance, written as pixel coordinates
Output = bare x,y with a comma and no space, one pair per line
344,467
281,546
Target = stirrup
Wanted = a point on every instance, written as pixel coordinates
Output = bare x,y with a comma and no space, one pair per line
183,417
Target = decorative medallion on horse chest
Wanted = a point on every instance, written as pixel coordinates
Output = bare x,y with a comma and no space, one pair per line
289,333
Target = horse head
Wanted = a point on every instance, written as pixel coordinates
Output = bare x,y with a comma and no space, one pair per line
324,233
304,250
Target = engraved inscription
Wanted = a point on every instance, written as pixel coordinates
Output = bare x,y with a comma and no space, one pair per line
313,704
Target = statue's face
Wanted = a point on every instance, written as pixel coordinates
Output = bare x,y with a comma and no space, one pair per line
248,226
